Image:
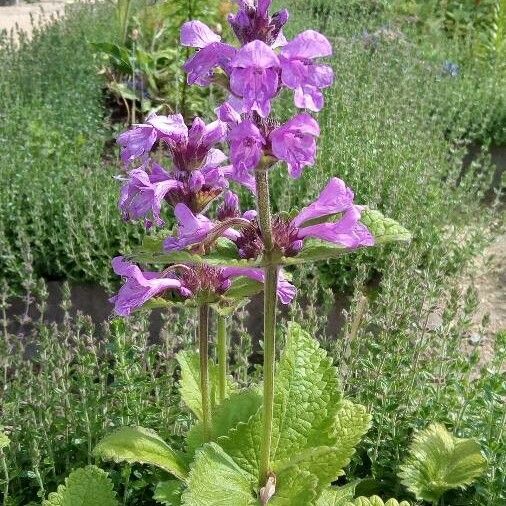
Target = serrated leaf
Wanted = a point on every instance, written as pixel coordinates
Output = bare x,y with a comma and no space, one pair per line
88,486
216,480
168,493
189,386
384,229
295,486
375,501
337,496
438,461
137,444
314,429
239,407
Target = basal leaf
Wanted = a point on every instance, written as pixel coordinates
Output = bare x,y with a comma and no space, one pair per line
216,480
189,387
137,444
237,408
295,486
384,229
88,486
168,493
307,397
314,429
336,496
438,461
375,501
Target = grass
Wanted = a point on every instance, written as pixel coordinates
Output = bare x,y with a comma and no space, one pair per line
396,128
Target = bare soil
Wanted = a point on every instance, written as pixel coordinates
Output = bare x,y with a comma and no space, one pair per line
19,16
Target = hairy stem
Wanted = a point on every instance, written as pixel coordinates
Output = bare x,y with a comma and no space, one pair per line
270,300
204,368
222,356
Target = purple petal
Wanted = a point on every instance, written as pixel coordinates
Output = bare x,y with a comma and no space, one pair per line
228,114
139,286
255,54
199,67
214,132
137,143
347,232
240,175
307,45
294,142
254,76
309,97
192,229
214,159
172,126
197,34
335,198
246,145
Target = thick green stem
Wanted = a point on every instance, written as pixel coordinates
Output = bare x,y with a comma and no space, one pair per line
270,301
204,369
222,356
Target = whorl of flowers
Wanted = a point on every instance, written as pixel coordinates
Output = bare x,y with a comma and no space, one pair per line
263,65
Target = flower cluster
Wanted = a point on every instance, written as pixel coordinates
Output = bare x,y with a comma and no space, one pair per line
263,65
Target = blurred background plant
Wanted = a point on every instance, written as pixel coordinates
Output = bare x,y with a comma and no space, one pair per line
143,68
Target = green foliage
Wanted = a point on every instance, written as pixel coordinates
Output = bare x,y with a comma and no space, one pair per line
168,493
190,382
137,444
314,433
439,461
216,479
238,408
4,441
374,501
336,496
144,67
89,486
58,202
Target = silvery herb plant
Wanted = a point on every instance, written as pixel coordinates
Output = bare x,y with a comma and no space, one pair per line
286,441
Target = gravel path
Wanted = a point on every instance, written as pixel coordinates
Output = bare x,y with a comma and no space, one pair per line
19,15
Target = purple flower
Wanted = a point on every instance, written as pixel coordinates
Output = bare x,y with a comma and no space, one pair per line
143,193
197,34
227,113
242,176
193,150
333,218
254,76
137,142
252,22
230,206
246,145
212,53
294,142
182,281
140,286
299,73
347,231
192,229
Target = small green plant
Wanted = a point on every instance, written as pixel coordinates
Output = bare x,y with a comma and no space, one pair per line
315,431
89,486
439,461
